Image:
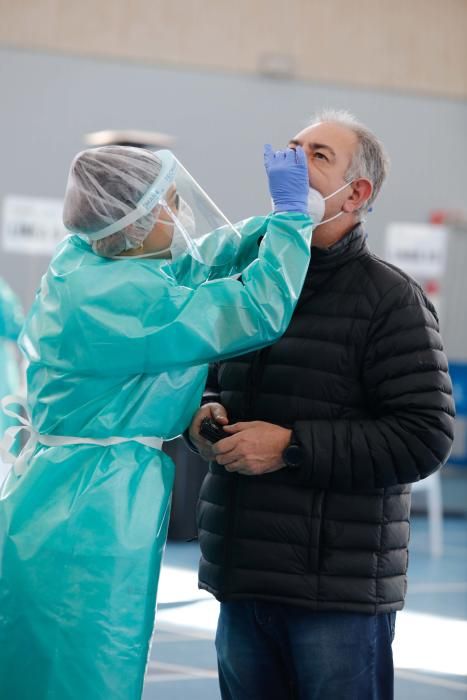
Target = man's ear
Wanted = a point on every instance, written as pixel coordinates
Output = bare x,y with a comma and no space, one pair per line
361,193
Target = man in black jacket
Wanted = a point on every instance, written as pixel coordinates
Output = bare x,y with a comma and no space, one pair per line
304,514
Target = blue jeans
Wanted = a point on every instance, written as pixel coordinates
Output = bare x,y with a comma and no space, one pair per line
271,651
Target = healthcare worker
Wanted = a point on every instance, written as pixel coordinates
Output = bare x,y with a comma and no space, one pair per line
134,304
11,320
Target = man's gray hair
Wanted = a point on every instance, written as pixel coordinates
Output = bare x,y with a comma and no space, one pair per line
369,160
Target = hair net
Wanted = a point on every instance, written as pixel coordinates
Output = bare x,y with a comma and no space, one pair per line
104,186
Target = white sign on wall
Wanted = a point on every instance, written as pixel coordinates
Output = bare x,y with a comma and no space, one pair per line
32,225
418,249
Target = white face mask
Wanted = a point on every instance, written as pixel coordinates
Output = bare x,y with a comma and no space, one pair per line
183,230
317,205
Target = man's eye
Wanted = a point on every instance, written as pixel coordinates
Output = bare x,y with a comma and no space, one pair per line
320,155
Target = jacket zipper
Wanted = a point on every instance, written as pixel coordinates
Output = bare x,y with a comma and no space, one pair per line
253,379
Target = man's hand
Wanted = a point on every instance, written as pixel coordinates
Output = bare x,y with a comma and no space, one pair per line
254,448
210,410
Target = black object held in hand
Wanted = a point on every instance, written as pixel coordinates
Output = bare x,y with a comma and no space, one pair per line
211,430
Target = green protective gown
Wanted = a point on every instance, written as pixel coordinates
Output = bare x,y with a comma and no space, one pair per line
11,321
117,349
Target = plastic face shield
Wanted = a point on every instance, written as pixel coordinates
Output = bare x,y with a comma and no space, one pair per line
209,236
183,210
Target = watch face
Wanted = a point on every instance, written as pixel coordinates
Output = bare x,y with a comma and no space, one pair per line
293,455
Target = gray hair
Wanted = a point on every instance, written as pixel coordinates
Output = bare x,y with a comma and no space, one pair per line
369,160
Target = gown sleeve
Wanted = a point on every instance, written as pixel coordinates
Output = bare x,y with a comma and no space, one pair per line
136,318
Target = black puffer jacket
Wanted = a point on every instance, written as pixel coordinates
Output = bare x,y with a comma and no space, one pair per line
361,377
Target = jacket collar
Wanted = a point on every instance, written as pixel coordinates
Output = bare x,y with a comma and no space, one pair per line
351,246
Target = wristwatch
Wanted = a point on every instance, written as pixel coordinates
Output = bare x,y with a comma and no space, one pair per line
294,453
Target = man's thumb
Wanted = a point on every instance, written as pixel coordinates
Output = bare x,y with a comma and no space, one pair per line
235,428
219,414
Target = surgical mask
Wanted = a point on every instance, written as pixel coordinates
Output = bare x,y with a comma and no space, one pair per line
183,232
317,205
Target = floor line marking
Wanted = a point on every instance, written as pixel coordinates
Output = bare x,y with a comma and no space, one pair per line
176,670
168,677
430,680
186,631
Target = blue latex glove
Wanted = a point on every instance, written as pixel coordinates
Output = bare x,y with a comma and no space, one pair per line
288,178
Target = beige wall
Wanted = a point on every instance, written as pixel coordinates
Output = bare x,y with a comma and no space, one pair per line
410,45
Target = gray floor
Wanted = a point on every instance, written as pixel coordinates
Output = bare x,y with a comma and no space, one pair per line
430,649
